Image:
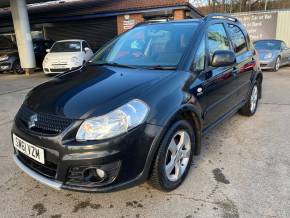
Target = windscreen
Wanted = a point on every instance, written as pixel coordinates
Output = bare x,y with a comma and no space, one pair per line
67,46
148,45
268,45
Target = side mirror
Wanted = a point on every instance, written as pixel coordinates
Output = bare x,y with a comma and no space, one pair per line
47,50
86,49
223,58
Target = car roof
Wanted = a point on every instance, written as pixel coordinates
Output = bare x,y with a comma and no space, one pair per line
263,40
208,18
70,40
170,21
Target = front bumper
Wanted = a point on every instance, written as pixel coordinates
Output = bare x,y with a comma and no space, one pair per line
267,64
57,69
134,151
5,66
49,182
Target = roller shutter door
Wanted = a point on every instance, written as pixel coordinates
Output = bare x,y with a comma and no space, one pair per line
96,32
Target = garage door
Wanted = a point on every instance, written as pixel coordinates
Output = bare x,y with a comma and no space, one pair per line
96,32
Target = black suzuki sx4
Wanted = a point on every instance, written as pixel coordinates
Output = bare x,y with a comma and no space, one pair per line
138,109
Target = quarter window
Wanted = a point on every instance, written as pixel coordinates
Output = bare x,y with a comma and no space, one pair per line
238,39
217,39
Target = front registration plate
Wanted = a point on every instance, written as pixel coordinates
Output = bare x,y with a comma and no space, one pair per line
28,149
58,67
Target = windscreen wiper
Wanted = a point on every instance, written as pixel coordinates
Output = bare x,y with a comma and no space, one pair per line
160,67
114,64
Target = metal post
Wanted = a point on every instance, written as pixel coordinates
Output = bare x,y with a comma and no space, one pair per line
23,35
266,5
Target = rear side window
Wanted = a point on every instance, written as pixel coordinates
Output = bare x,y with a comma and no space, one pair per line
238,39
217,39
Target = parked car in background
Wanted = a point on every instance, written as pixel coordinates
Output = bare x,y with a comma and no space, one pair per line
66,55
9,58
272,53
138,109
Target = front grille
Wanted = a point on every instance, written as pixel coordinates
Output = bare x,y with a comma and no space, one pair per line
48,169
46,124
59,70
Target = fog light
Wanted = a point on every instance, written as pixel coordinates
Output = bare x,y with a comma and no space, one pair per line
101,173
94,175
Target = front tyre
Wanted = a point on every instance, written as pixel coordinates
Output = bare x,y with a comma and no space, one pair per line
174,157
250,108
16,67
277,64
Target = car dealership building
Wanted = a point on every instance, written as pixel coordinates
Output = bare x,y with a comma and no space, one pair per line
95,21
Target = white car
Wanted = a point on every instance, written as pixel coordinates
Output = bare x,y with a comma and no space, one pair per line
66,55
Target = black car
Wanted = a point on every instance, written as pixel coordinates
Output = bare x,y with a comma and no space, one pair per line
9,58
139,108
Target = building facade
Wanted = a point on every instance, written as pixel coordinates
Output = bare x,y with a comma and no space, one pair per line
96,21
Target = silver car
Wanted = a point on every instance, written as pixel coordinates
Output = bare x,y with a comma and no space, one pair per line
272,53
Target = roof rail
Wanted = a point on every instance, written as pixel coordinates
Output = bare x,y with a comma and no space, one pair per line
220,16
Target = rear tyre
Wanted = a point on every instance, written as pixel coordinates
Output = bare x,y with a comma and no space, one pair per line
277,64
16,67
174,157
250,108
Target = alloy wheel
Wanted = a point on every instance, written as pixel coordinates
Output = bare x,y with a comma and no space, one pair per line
254,98
177,155
17,68
278,63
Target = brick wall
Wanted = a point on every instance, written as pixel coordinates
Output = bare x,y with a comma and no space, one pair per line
105,6
138,18
179,14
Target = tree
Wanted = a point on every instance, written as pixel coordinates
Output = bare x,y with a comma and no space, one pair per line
231,6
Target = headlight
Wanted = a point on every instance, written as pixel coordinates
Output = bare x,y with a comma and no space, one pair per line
268,56
118,121
4,58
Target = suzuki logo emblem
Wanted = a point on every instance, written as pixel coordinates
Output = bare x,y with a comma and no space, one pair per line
32,121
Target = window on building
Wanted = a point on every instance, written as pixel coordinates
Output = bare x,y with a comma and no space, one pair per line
238,39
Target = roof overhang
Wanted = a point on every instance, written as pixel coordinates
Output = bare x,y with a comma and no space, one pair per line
6,3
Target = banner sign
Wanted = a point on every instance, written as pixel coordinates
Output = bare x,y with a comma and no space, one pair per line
260,25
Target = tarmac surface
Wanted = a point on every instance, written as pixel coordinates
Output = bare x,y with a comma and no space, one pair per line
243,169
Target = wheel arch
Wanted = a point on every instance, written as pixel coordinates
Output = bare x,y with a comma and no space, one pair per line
191,114
187,112
259,80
